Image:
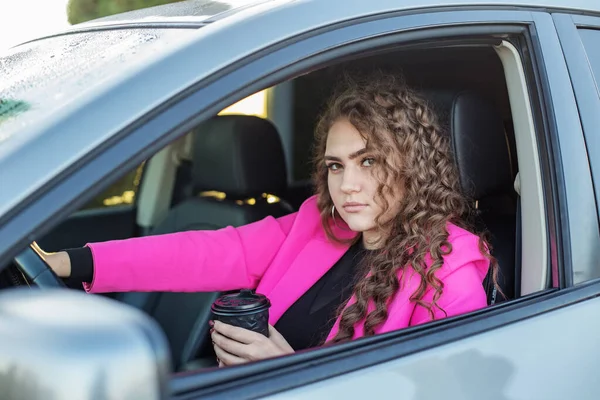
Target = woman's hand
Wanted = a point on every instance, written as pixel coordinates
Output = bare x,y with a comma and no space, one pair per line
59,262
234,345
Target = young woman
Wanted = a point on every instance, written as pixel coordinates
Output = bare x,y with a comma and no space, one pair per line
381,246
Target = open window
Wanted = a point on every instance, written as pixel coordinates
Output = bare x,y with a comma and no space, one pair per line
481,83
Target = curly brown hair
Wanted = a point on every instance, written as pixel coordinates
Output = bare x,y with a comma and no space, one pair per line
413,154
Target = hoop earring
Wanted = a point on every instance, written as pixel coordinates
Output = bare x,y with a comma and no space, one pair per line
333,218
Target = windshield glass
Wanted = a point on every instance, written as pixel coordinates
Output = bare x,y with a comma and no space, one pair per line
40,78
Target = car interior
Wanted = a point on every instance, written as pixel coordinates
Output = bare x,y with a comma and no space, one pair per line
239,167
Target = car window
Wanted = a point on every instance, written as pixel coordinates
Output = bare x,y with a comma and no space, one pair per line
590,39
120,193
124,191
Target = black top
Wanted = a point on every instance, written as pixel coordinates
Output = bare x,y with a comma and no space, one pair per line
306,323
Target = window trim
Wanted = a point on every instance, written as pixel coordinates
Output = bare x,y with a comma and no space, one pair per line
545,127
588,104
534,215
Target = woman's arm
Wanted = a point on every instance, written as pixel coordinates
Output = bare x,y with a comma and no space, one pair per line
224,259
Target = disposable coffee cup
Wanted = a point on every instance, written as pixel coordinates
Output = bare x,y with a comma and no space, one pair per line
245,309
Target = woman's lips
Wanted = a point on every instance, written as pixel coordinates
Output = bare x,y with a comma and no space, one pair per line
352,207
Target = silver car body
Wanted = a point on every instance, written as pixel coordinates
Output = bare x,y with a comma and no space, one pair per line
545,346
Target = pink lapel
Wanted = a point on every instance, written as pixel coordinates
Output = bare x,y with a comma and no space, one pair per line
309,265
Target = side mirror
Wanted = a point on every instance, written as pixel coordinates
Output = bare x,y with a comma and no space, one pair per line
65,344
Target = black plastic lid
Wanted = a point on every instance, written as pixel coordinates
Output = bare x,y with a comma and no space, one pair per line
245,301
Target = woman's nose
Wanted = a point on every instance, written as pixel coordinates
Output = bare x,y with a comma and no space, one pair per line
350,182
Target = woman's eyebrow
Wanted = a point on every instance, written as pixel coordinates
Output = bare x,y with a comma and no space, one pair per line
352,156
358,153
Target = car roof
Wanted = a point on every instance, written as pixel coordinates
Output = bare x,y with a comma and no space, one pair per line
207,11
100,96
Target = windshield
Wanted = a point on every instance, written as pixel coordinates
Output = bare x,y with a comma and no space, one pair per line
41,78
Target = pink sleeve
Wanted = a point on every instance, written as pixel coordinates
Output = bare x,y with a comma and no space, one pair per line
463,292
224,259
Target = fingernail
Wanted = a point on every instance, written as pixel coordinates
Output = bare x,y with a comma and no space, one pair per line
211,323
212,330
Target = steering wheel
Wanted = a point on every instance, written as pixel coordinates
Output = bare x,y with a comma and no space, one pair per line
35,269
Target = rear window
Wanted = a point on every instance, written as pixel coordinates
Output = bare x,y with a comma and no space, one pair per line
591,40
41,77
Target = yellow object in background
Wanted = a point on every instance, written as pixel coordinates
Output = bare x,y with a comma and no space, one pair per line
255,104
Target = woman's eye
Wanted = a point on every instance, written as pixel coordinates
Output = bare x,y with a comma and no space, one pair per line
367,162
334,166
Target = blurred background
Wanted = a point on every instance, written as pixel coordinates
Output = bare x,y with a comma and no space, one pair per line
21,20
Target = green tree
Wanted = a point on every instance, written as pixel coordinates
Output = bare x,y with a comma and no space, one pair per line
84,10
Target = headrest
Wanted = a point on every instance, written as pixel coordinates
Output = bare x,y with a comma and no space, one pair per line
239,155
479,143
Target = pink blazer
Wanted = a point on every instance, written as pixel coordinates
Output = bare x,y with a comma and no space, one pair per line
282,258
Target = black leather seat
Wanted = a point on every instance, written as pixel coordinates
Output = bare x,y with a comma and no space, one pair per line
483,156
242,158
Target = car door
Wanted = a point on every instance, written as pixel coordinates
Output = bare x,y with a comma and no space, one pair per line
508,351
